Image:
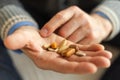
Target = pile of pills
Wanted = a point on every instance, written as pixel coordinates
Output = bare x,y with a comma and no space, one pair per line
63,49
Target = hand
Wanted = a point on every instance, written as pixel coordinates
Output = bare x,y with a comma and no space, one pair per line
78,26
29,40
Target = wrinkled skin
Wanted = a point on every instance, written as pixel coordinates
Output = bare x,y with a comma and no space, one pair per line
30,42
77,26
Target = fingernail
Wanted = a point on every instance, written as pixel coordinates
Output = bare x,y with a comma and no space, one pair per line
44,32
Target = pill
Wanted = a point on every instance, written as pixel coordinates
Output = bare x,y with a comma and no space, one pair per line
74,46
63,43
68,52
53,50
45,46
62,48
80,53
54,45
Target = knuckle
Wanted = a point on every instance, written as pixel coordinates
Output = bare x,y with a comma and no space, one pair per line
75,7
48,27
88,23
92,36
60,15
62,33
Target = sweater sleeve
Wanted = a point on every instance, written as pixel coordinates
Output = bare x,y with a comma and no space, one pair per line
110,8
13,16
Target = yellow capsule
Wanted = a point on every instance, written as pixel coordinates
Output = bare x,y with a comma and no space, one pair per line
68,52
62,49
54,45
63,43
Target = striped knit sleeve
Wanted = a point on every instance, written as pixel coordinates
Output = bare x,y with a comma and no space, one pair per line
12,16
110,9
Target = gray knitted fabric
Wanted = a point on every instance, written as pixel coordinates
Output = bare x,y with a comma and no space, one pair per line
11,13
111,9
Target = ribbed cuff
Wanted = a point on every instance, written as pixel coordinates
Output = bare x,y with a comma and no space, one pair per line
18,25
102,15
11,15
112,16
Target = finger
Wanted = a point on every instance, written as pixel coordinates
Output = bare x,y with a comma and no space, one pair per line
16,41
92,47
53,61
71,26
88,40
64,66
106,54
78,35
99,61
59,19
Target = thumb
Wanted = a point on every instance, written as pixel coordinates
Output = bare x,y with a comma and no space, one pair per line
44,32
15,41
